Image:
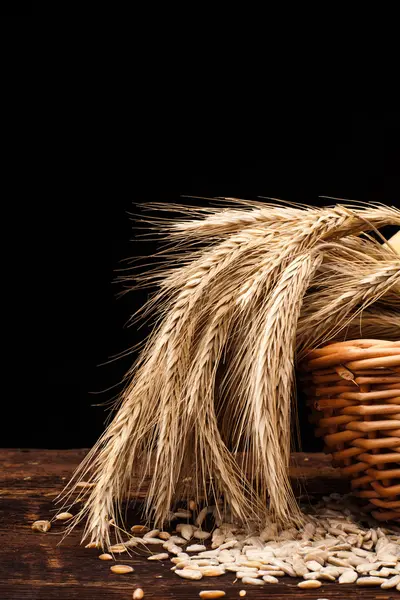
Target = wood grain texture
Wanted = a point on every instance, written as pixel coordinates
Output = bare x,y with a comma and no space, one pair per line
37,567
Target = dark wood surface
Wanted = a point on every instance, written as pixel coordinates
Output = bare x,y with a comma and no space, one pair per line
39,567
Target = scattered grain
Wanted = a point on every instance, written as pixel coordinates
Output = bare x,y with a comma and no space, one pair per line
64,516
118,549
193,574
139,529
309,584
201,535
270,579
391,583
370,581
348,576
212,571
162,556
196,548
252,581
41,526
120,569
151,534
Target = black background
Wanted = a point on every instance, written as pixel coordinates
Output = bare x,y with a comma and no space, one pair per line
353,156
16,8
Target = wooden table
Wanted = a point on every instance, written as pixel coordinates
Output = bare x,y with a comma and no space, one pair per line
36,566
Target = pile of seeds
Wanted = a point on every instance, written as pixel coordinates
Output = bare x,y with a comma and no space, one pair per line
338,543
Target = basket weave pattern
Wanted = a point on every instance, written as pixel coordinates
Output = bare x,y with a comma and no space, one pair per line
353,389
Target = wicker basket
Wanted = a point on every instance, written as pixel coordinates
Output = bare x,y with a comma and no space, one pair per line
353,389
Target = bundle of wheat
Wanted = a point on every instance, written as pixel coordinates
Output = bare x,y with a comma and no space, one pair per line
245,286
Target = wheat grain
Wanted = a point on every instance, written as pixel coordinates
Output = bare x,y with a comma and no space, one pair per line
118,549
193,574
309,584
162,556
370,581
64,516
139,529
121,569
41,526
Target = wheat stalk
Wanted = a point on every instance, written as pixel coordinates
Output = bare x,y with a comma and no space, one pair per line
219,222
269,385
240,291
328,311
129,432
